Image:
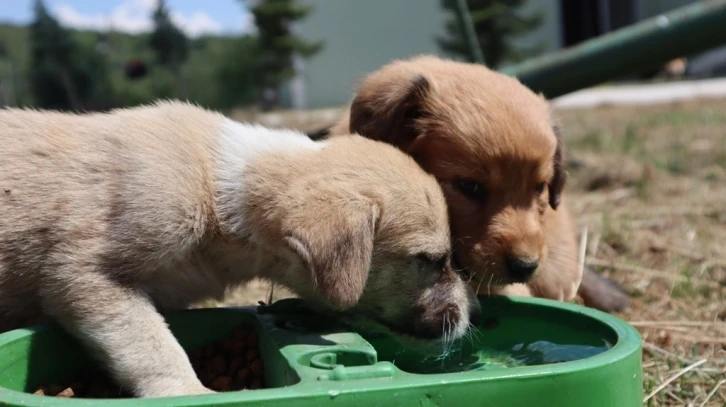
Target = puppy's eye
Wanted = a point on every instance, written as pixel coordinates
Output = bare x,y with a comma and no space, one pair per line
471,189
540,188
436,262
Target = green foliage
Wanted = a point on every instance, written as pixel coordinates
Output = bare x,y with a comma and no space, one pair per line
58,78
496,22
98,88
201,70
213,71
276,43
168,42
238,72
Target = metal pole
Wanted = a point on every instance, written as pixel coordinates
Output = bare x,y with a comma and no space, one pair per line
685,31
468,32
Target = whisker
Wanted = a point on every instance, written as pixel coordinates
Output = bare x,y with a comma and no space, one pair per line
477,334
478,287
443,337
452,338
472,334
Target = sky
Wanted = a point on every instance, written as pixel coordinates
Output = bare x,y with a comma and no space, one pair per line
194,17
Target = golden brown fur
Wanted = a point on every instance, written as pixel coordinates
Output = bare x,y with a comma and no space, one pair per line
495,149
106,217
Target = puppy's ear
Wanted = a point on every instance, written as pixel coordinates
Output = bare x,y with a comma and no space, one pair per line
336,247
319,134
559,177
388,110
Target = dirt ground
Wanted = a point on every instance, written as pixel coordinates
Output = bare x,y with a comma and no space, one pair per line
649,184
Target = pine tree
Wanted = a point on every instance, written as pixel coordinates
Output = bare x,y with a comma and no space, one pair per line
63,75
53,75
99,95
495,23
172,49
167,41
278,44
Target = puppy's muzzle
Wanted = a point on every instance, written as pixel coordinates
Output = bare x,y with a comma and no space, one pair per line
442,323
521,269
436,325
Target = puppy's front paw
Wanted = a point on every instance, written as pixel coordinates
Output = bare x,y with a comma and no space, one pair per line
555,287
514,290
198,390
172,390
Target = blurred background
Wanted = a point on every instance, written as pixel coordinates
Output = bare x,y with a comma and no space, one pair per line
276,54
646,153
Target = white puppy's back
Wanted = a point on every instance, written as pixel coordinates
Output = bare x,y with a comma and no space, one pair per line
70,182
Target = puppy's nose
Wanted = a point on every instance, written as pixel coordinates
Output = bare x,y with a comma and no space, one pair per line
521,269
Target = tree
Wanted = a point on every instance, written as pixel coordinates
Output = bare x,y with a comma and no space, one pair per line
100,92
278,45
237,76
495,23
168,42
62,75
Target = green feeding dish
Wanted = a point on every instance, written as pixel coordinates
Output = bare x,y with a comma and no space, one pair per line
526,352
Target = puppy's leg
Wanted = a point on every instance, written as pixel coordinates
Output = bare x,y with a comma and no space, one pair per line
560,276
123,329
561,279
601,293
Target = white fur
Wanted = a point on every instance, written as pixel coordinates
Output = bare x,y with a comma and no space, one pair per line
239,145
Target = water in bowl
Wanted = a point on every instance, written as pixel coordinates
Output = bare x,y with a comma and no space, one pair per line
461,358
499,342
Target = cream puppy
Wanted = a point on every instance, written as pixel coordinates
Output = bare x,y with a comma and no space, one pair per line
105,218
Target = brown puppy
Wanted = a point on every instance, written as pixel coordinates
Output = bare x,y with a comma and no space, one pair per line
495,148
106,217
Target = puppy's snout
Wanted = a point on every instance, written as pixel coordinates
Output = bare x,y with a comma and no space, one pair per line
521,269
442,322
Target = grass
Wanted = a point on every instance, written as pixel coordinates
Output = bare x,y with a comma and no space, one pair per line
660,224
650,185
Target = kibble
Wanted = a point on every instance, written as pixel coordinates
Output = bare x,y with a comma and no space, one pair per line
86,384
232,363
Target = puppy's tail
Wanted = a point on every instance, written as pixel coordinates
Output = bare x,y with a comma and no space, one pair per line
601,293
319,134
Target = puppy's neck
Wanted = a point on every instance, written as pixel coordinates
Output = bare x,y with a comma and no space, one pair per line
240,147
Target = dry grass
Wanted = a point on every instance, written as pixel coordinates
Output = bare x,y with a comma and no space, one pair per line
649,183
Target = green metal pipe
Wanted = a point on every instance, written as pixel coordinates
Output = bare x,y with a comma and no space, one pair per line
463,15
648,44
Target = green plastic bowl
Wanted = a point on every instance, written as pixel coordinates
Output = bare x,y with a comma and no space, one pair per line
311,361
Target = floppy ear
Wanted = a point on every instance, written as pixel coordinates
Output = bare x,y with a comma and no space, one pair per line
336,247
388,111
559,177
319,134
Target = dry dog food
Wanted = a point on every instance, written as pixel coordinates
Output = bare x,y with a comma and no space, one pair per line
230,364
86,384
